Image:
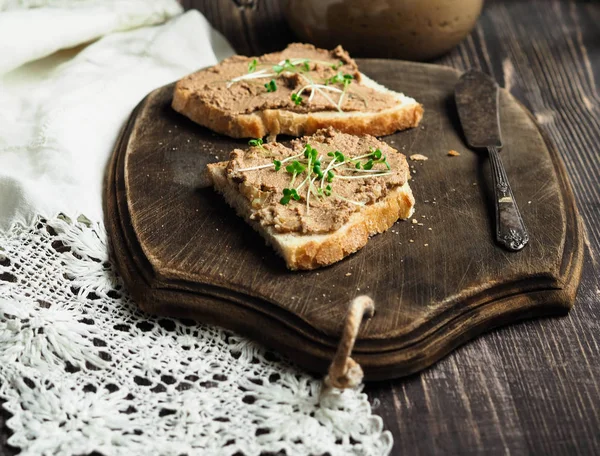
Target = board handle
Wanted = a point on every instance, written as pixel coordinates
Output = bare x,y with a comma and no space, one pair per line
510,228
344,372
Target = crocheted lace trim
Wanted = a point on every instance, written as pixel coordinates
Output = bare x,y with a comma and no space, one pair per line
83,370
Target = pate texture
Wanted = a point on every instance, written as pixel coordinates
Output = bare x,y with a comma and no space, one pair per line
214,87
350,189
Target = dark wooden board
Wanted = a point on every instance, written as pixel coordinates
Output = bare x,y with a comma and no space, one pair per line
184,253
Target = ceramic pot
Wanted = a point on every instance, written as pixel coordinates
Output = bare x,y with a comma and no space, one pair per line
404,29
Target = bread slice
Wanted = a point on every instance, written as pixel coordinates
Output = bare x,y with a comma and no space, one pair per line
400,113
314,250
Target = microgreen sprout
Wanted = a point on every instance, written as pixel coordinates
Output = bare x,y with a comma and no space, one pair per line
327,190
337,65
330,176
277,164
297,99
377,155
340,78
306,66
271,86
294,169
252,66
310,152
258,142
288,194
317,169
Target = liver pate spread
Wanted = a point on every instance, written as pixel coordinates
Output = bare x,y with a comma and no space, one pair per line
362,172
237,84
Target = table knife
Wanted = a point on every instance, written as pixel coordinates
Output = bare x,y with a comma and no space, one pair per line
476,97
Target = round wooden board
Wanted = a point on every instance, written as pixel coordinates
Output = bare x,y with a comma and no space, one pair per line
436,284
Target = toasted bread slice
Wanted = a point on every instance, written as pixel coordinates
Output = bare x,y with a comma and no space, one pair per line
310,250
245,108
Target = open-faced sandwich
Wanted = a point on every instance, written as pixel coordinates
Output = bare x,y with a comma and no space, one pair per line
296,92
320,199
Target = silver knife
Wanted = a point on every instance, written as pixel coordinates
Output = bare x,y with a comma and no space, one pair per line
476,97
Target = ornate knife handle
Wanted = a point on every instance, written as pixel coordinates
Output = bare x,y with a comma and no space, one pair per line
510,229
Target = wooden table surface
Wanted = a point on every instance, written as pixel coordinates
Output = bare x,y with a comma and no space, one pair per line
534,387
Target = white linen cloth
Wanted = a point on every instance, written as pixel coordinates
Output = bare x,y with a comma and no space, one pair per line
81,368
59,117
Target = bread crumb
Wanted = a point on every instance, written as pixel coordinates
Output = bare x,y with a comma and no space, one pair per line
528,202
415,221
418,157
348,274
410,240
429,229
420,224
426,245
453,153
423,216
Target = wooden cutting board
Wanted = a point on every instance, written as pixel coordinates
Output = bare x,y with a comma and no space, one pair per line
436,283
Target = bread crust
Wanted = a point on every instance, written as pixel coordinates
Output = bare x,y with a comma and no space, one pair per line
278,121
305,252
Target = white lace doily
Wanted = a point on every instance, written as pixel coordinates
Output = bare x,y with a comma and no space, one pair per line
83,370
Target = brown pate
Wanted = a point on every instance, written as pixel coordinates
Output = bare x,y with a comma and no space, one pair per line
213,85
264,187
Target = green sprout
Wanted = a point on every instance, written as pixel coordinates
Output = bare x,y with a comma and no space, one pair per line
271,86
297,99
288,194
252,66
287,66
330,176
340,78
328,190
294,169
258,142
317,169
310,152
335,66
277,165
368,165
377,155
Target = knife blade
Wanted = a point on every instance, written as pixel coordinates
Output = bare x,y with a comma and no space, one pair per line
476,96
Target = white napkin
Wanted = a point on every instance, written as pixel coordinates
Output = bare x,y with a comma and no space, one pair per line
60,116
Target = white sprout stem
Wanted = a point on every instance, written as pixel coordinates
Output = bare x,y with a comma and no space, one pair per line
269,164
310,82
255,167
308,195
363,177
257,75
340,101
328,98
317,87
364,170
329,166
302,184
291,158
348,200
